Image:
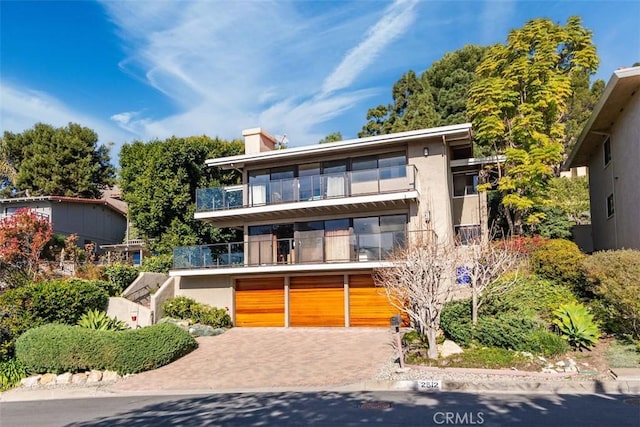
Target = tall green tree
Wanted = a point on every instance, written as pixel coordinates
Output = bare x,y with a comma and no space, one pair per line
65,161
159,181
436,98
519,103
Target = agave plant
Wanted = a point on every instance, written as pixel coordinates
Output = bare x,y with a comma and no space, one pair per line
576,325
95,319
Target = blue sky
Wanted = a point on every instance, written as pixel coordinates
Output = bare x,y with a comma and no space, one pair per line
139,70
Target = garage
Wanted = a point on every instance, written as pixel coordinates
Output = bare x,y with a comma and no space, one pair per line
368,304
259,301
316,301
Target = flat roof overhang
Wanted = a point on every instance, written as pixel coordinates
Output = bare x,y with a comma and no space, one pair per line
281,269
455,134
621,87
282,211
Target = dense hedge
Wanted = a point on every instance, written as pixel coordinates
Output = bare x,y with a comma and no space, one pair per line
509,330
62,348
45,302
559,261
530,295
613,279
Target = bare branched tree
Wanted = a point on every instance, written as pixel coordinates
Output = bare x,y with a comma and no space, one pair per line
483,263
419,284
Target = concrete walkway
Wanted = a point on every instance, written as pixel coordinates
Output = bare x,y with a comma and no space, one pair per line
243,358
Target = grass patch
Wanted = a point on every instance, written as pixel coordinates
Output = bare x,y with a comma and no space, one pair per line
479,357
621,355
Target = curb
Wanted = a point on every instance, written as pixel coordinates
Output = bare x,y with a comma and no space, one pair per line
435,386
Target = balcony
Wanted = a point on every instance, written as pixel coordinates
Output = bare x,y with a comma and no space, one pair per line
308,188
269,251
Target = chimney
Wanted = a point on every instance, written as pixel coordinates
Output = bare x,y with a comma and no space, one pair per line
257,140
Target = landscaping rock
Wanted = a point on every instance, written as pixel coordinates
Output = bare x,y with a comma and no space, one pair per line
184,324
79,378
199,330
64,378
31,381
94,377
48,379
110,376
449,348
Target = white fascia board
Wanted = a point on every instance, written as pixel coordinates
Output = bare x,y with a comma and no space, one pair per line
281,207
479,161
281,269
241,160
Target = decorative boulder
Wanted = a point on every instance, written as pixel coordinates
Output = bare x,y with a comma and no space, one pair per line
449,348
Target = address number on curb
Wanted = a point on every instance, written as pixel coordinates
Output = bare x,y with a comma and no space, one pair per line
429,385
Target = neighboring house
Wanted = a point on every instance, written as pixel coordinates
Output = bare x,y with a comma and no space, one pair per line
317,220
97,221
610,146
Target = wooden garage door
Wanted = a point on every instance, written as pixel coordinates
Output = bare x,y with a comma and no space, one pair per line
316,301
260,302
368,304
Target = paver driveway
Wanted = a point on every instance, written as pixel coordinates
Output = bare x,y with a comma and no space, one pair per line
244,358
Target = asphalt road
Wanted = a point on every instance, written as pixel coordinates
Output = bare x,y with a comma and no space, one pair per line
329,409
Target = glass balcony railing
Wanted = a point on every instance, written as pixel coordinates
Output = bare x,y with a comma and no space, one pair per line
268,250
307,188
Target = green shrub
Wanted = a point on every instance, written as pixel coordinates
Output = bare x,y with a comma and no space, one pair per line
121,275
11,372
547,343
530,295
45,302
576,325
158,263
613,279
110,288
505,330
94,319
455,322
62,348
559,260
189,309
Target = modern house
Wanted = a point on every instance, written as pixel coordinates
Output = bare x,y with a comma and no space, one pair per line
610,146
317,220
97,221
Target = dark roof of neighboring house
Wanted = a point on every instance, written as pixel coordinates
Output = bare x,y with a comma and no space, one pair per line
105,201
622,85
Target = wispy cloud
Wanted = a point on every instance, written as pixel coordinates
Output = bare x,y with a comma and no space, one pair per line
21,108
231,65
395,21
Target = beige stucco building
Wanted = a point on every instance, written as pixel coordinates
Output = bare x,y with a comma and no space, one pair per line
610,146
317,220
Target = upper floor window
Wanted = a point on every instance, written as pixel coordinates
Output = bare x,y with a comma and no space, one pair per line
607,151
610,206
465,184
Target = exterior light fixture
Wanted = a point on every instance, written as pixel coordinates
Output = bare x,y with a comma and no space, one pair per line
425,151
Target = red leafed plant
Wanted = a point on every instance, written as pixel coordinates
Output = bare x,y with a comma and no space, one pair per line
23,236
